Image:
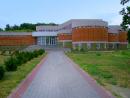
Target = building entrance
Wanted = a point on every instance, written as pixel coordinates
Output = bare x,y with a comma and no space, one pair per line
47,40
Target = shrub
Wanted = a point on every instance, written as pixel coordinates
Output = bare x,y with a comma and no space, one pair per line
82,50
21,58
35,53
11,64
124,53
2,72
75,50
29,55
98,54
41,51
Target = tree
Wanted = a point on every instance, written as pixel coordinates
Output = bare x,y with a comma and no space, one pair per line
1,29
126,18
7,28
123,2
15,27
27,27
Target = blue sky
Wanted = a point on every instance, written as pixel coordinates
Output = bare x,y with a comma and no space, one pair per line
58,11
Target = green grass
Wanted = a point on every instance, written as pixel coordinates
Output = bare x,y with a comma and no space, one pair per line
12,79
2,58
107,68
128,46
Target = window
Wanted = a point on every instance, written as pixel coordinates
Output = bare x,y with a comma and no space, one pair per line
88,45
98,46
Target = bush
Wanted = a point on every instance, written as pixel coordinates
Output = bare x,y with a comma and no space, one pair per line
21,58
38,52
98,54
2,72
35,53
11,64
82,50
41,51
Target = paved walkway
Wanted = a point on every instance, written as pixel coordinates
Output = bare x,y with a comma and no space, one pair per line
58,78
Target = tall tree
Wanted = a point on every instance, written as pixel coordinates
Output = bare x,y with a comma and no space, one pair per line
126,17
28,27
1,29
123,2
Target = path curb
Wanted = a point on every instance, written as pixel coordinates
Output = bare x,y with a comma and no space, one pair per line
100,89
22,87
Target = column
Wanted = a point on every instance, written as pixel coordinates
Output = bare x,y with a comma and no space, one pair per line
48,40
54,41
105,45
113,45
45,40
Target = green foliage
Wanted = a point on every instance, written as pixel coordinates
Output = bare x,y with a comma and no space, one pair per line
94,70
128,34
98,54
123,2
11,64
2,72
35,53
82,50
20,58
41,51
1,29
12,79
126,18
109,68
28,27
23,57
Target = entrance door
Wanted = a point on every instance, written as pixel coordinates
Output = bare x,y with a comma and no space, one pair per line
47,40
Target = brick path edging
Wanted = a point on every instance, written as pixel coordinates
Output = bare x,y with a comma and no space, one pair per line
100,89
19,91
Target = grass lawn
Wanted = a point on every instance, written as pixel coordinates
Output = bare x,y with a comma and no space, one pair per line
107,68
12,79
2,58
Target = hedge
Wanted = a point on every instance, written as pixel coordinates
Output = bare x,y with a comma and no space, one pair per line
20,58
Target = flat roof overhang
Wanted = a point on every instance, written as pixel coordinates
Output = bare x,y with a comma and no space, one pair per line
36,34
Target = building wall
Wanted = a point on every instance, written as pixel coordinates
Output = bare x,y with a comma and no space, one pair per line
65,40
113,37
16,40
122,36
63,36
89,34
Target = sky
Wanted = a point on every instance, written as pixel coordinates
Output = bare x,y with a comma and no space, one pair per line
58,11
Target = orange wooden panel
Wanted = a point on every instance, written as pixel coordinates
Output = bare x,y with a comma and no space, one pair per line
17,40
123,36
90,34
64,37
113,37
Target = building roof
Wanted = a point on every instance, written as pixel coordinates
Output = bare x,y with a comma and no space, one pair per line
42,27
114,29
15,33
44,34
85,22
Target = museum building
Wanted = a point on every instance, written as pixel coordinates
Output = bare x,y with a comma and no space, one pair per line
93,34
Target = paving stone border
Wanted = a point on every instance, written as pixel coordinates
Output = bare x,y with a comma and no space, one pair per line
100,89
19,91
